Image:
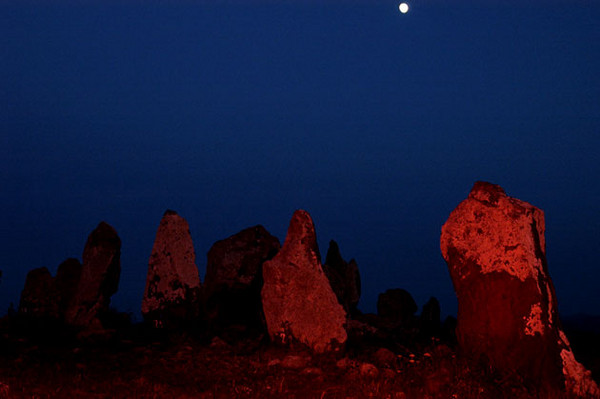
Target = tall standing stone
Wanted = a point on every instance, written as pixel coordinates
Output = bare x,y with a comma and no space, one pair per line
495,249
66,284
297,298
100,272
234,277
173,286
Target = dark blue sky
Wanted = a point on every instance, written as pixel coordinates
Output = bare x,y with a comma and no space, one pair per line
238,113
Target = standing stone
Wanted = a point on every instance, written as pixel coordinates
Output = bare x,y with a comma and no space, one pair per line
99,278
38,297
66,283
173,286
48,297
495,249
234,277
430,318
397,306
297,298
343,277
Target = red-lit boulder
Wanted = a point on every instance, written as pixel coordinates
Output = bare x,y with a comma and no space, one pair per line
99,278
343,277
494,246
298,301
234,277
172,293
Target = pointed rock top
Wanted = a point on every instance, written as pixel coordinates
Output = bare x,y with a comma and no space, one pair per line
301,234
170,212
102,234
487,192
333,257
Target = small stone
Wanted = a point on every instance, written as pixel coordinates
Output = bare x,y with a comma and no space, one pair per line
368,370
294,362
344,363
312,371
384,357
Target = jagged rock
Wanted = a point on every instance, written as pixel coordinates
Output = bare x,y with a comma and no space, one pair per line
495,249
173,287
430,318
343,277
396,306
234,277
298,301
99,278
38,297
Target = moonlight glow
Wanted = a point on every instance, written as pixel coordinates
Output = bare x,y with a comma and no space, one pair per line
403,7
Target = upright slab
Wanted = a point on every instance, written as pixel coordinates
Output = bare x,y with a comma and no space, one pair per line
298,301
100,272
495,249
173,286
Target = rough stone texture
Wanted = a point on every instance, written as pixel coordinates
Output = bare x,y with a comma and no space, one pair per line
343,277
38,297
396,305
494,246
234,277
99,278
298,301
173,286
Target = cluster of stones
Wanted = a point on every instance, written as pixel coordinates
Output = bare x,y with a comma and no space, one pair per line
80,293
494,246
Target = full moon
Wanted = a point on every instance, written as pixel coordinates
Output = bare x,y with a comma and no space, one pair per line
403,7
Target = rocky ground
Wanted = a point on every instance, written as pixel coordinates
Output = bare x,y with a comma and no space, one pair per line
137,362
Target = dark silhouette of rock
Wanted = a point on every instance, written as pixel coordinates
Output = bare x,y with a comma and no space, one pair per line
430,318
396,306
46,297
495,249
38,297
66,284
298,301
173,288
343,277
448,332
234,277
99,278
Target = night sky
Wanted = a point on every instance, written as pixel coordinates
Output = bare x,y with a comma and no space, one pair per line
238,113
